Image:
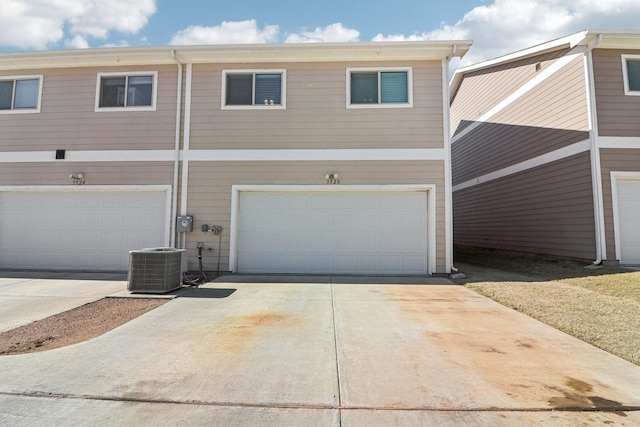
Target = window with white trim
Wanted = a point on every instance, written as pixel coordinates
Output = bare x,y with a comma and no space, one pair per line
249,89
379,87
131,91
631,73
20,94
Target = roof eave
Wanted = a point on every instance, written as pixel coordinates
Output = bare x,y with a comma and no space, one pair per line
235,54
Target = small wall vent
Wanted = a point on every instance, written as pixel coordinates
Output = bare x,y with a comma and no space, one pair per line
155,270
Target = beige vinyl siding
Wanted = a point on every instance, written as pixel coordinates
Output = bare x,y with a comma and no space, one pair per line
316,115
483,89
550,116
96,173
68,119
559,102
545,210
211,182
619,160
618,114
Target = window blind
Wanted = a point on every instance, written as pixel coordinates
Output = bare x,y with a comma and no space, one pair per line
268,89
393,87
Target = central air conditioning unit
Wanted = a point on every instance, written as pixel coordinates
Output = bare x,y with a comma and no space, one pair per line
155,270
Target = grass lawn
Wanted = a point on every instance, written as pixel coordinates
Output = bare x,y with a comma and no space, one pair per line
600,306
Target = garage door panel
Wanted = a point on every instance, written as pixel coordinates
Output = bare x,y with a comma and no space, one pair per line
88,230
628,191
332,232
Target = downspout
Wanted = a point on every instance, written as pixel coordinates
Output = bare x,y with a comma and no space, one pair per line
596,170
448,187
176,161
187,141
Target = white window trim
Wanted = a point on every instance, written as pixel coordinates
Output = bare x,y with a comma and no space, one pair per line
628,91
40,79
223,97
408,104
154,93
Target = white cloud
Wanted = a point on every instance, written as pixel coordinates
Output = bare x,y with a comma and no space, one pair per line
505,26
227,33
331,33
41,23
78,42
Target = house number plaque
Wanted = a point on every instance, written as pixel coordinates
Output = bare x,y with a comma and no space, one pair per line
332,179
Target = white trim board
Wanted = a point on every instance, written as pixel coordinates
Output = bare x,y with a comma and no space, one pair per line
431,210
98,156
316,155
619,142
435,154
561,153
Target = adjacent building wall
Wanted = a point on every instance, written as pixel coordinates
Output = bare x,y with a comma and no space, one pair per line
522,178
618,128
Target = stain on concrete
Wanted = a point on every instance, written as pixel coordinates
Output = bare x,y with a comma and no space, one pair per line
578,396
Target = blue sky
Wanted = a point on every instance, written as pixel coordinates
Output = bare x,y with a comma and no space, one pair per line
496,27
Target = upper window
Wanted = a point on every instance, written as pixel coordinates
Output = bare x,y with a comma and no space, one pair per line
133,91
631,72
20,94
379,87
253,89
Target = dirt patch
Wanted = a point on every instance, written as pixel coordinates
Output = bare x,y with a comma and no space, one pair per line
75,325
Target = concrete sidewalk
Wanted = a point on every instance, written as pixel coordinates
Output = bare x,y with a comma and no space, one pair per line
27,297
343,354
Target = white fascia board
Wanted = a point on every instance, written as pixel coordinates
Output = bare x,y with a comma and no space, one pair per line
326,52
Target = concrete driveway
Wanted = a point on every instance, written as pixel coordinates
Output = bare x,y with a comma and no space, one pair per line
329,353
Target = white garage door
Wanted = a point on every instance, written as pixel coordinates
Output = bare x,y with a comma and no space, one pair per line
332,232
629,220
78,230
